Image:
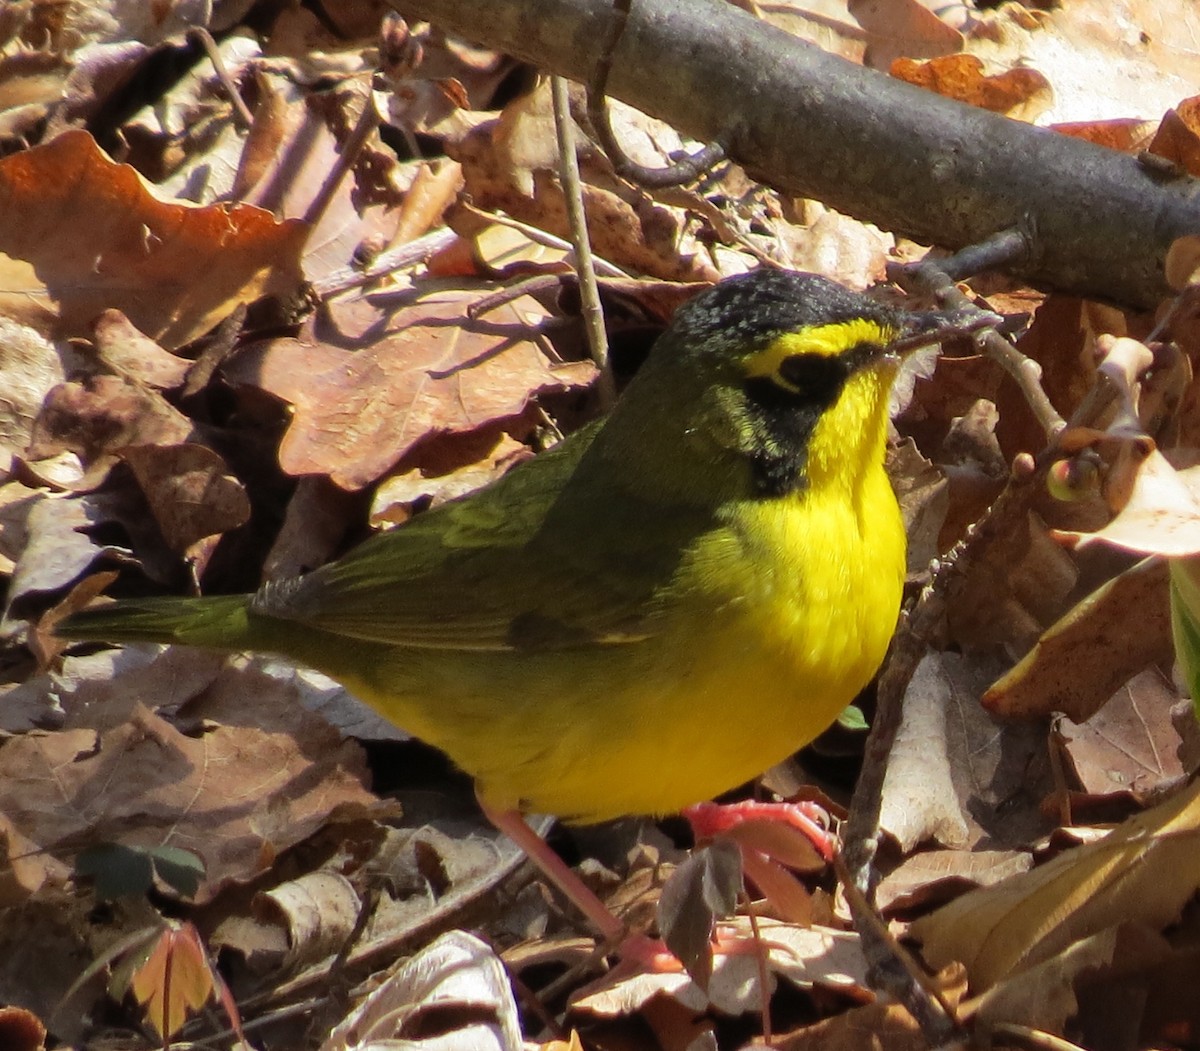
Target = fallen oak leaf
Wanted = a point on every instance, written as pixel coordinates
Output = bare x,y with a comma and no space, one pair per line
235,796
374,380
80,234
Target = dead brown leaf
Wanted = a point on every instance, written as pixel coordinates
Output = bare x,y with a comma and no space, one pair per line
429,485
1178,136
1083,658
1127,135
930,878
1160,517
128,352
1013,592
884,1026
918,800
101,415
902,27
1130,744
1047,996
30,367
145,783
509,165
191,492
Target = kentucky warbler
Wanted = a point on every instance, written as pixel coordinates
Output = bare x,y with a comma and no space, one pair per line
656,610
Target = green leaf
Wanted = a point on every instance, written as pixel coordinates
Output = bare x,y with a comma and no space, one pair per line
702,889
118,871
122,871
1185,622
852,719
178,868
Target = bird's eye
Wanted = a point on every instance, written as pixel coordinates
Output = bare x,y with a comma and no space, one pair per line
814,375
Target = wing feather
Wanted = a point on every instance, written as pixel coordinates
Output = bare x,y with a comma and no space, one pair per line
504,568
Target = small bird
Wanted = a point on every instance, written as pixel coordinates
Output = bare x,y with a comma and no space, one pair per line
654,611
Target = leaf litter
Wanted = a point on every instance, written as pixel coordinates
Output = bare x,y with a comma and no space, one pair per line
147,448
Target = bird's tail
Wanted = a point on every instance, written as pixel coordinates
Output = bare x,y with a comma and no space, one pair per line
219,622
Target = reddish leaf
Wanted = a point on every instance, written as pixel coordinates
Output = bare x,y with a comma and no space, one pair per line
80,234
174,980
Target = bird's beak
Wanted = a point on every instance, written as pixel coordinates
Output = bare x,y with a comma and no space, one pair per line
922,328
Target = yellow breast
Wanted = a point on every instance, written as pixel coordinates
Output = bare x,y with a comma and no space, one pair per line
774,622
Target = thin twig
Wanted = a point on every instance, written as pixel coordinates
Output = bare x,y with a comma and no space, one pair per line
1008,248
597,108
241,112
920,629
367,122
760,963
589,293
893,969
398,258
529,286
1035,1039
934,277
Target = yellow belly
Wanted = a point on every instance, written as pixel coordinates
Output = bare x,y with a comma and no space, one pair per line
775,625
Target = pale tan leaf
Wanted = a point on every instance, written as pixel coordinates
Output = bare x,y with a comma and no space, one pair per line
1085,656
1161,517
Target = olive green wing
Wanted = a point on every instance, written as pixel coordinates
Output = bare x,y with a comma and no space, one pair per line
518,565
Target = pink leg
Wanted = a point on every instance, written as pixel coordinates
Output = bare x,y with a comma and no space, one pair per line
556,871
633,948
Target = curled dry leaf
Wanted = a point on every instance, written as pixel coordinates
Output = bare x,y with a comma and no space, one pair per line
1161,516
318,911
21,1030
458,977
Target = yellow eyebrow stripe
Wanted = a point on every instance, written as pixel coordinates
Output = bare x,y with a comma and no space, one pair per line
826,340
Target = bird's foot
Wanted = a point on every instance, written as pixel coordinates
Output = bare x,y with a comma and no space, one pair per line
711,819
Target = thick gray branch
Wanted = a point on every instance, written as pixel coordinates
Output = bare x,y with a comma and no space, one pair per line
814,125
